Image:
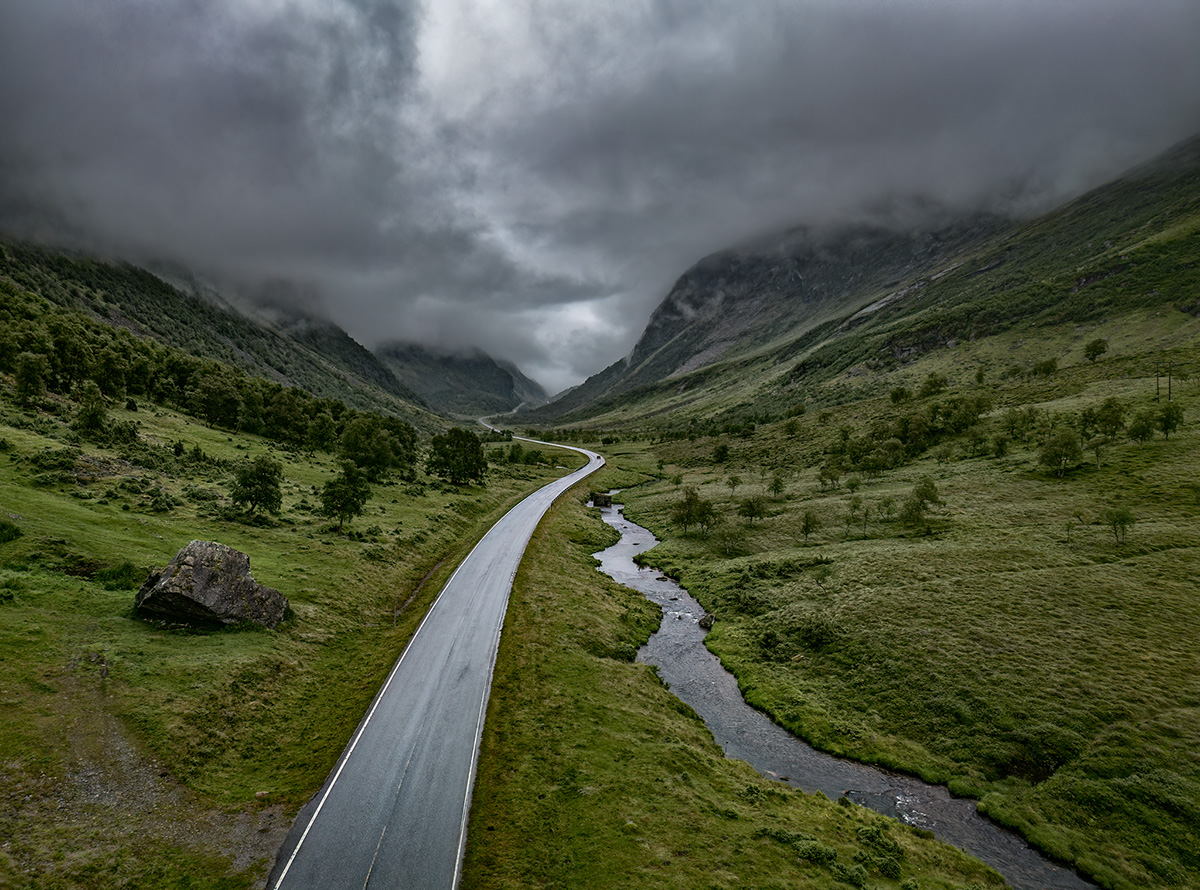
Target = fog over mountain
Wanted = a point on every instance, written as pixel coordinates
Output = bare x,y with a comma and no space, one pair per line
530,177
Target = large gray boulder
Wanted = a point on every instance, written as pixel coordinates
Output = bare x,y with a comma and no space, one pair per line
208,584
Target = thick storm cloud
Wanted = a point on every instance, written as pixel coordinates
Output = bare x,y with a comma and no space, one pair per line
530,176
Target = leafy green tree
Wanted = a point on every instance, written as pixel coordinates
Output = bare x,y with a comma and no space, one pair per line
1120,520
720,453
1061,452
733,482
1110,417
829,475
344,496
752,508
691,510
257,484
1170,416
923,497
377,447
1095,349
322,432
853,507
286,417
32,369
216,399
777,486
810,523
457,456
1141,428
93,411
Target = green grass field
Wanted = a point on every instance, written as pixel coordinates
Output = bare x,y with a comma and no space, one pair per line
593,775
136,755
1009,645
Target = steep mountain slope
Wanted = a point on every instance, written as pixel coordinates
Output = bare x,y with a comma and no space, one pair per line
470,384
314,355
746,297
761,326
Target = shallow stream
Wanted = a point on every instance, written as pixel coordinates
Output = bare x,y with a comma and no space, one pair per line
697,677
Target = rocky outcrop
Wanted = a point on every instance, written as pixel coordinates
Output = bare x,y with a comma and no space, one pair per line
209,585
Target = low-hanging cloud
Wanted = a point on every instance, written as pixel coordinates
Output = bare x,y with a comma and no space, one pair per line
530,176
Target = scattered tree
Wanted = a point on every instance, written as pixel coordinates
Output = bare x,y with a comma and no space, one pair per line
919,501
1141,428
1170,416
853,506
1045,368
733,482
777,486
93,411
720,453
1110,417
1061,452
257,484
810,523
344,496
830,475
752,508
1095,349
378,445
1120,520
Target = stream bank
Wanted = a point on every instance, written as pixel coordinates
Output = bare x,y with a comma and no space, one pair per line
698,678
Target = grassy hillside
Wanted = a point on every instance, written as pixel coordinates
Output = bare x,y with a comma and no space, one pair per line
1104,262
321,359
138,755
1015,641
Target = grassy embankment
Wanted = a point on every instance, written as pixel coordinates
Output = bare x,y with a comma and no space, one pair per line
593,775
1009,646
131,754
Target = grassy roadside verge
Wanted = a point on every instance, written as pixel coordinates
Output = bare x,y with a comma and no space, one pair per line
593,775
133,755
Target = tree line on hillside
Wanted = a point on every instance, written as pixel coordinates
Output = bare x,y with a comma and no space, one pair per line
54,352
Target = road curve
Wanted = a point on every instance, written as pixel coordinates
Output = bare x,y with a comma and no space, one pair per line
393,813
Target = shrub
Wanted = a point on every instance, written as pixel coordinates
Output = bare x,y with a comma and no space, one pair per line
9,531
815,851
124,576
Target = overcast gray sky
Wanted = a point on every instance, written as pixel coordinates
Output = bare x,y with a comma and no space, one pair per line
530,176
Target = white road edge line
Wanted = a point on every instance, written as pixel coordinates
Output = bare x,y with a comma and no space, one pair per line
379,697
466,809
371,713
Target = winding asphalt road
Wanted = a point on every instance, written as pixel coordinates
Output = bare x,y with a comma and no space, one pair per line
393,813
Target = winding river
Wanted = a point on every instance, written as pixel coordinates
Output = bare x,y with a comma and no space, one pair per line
697,677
